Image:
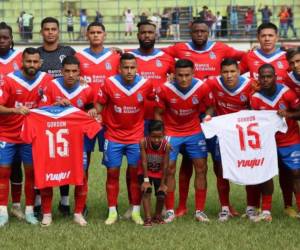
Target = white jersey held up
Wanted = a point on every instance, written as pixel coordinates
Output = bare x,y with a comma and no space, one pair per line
247,144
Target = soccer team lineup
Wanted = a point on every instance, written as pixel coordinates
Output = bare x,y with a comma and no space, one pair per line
150,105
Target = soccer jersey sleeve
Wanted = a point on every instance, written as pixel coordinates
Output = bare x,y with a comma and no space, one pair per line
91,127
102,94
5,91
27,133
207,95
291,97
160,98
244,64
171,50
210,128
233,53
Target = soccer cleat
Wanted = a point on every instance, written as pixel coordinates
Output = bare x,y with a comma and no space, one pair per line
137,219
158,220
64,209
233,212
291,212
201,216
37,210
3,220
31,219
112,218
170,216
250,214
263,216
46,221
128,213
224,215
147,222
181,211
17,212
79,219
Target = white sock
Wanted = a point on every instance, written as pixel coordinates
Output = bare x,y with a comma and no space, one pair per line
3,210
112,209
171,210
250,207
47,215
64,200
266,212
28,209
225,208
16,205
136,208
38,200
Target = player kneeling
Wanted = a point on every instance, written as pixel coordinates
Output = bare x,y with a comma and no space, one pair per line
152,171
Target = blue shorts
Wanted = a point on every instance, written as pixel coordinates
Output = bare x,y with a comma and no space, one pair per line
89,144
213,148
113,153
9,152
195,146
290,156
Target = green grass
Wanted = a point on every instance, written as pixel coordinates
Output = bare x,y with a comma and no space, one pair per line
184,233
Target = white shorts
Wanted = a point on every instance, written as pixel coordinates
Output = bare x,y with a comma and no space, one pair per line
128,27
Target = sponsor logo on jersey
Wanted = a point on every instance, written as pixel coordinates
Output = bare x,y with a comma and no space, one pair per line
79,103
220,93
117,109
212,55
58,176
282,106
243,98
18,104
250,163
62,57
140,97
158,63
195,100
108,66
280,65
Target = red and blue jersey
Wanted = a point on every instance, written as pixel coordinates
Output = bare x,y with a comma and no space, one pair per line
282,99
293,82
252,60
19,91
125,108
182,106
208,60
230,100
78,95
11,61
155,66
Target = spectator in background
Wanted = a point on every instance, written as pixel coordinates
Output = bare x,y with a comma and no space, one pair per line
70,25
129,22
98,17
175,24
211,23
283,21
143,17
155,19
20,25
290,22
83,24
27,26
233,19
165,21
266,13
218,24
203,14
249,20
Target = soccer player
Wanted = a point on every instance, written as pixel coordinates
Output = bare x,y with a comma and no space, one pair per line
52,54
66,91
152,64
21,91
124,97
232,94
273,96
181,102
293,78
11,60
152,170
267,36
207,57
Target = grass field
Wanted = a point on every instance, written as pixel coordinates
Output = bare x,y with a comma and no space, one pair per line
184,233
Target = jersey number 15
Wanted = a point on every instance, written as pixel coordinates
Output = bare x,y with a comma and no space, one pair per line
251,137
57,143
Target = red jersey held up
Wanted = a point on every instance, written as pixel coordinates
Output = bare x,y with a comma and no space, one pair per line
18,91
286,99
61,131
182,107
125,108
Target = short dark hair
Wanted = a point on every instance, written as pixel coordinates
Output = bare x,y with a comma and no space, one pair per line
155,125
146,22
198,21
49,20
70,60
292,52
5,26
97,24
266,66
267,26
30,51
127,56
228,62
184,63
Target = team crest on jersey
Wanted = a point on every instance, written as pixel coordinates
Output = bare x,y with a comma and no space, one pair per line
212,55
79,103
15,66
158,63
243,98
108,66
85,65
279,65
19,91
140,97
62,57
195,100
282,106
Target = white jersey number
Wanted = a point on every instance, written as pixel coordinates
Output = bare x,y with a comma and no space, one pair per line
57,143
